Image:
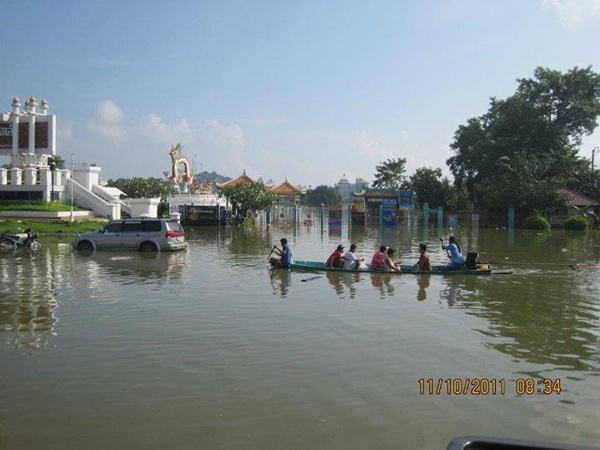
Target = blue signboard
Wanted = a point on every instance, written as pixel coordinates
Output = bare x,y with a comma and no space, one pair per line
407,198
389,215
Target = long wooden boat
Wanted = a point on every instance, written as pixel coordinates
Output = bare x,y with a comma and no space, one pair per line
482,269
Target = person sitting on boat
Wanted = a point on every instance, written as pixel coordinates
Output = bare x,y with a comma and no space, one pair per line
423,264
389,264
351,261
457,260
378,260
284,253
336,259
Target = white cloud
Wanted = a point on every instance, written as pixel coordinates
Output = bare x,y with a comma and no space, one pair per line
163,132
108,121
267,123
141,144
370,147
574,12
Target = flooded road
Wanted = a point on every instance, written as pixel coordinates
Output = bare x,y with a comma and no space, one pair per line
209,349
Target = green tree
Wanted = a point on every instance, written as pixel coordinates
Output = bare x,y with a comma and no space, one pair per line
248,199
138,187
525,146
57,161
152,187
390,174
211,176
428,186
322,194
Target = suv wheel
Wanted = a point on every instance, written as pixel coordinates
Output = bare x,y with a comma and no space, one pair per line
85,246
147,247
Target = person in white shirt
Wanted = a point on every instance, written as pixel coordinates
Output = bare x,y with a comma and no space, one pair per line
351,261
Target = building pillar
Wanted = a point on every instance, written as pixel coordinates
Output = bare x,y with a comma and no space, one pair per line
16,176
3,176
30,176
46,182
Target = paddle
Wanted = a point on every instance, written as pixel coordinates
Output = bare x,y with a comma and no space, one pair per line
533,264
269,257
311,278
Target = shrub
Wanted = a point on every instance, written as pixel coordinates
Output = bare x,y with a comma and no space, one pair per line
576,223
537,223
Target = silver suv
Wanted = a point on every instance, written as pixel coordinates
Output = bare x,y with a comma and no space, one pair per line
143,234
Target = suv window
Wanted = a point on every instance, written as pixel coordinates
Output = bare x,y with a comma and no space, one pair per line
151,225
174,226
114,227
132,227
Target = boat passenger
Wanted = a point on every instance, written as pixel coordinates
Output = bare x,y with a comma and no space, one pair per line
390,265
351,261
457,260
378,260
336,259
284,253
423,264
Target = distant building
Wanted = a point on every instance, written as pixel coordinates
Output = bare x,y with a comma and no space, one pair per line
287,192
360,185
346,188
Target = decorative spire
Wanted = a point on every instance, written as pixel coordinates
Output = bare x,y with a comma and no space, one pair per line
16,105
44,106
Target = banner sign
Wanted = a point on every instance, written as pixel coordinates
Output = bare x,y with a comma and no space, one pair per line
407,198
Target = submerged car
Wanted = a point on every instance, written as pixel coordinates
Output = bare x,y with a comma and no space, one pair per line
142,234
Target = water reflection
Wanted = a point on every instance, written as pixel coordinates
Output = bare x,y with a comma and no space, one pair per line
458,288
28,299
344,283
133,267
556,330
423,281
383,284
280,281
31,285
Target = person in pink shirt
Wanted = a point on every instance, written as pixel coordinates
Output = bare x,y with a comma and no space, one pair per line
378,260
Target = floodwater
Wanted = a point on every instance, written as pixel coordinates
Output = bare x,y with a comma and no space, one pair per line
208,349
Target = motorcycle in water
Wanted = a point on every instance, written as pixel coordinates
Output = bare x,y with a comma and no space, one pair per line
13,241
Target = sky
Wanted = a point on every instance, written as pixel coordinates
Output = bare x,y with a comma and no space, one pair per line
310,91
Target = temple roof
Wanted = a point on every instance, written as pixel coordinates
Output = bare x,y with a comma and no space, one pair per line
576,199
244,178
285,188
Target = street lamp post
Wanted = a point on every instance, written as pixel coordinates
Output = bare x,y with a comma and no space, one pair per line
593,153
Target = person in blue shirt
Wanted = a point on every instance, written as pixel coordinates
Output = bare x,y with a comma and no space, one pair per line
457,260
284,253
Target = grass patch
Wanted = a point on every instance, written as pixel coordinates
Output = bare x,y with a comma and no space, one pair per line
56,227
43,206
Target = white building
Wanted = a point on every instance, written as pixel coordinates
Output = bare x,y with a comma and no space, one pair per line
28,140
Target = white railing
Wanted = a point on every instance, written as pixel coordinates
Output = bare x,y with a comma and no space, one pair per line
87,199
112,195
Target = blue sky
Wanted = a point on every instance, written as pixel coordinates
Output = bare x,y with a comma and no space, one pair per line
307,91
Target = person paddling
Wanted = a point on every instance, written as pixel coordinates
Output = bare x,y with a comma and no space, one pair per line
457,260
284,253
